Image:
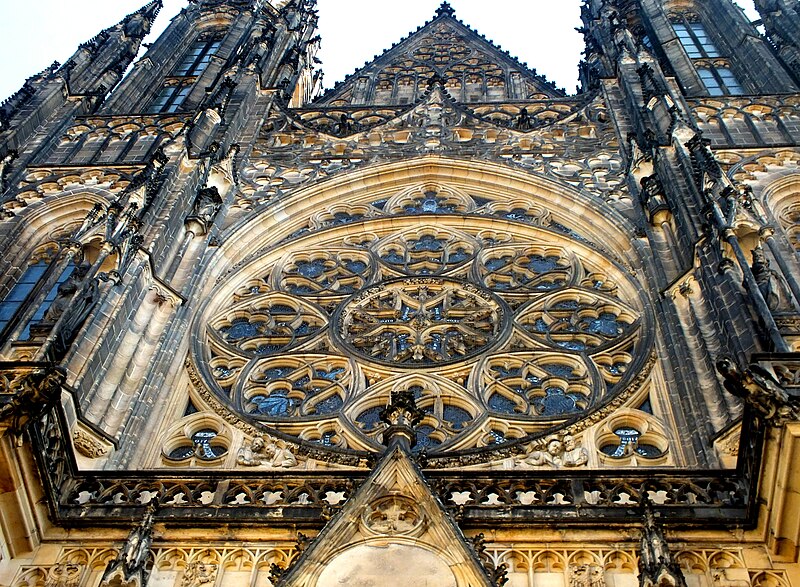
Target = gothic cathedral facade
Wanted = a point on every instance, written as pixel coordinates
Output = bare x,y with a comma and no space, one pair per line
442,324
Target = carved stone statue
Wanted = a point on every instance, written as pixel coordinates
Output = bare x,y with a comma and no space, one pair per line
66,291
74,301
558,452
574,455
766,278
760,390
266,451
554,449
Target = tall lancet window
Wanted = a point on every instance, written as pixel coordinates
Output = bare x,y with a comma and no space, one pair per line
712,66
24,292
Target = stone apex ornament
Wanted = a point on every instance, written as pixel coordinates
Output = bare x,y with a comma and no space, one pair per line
401,416
393,515
762,391
445,10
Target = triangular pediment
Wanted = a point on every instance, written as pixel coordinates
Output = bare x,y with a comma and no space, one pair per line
393,526
472,69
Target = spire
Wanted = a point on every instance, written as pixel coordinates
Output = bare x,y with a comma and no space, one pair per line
781,22
101,62
138,24
657,567
445,10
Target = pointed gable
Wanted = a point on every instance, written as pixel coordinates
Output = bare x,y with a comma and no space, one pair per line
472,69
393,531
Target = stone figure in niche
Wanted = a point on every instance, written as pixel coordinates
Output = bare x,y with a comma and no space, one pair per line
65,294
266,451
558,452
345,125
205,208
652,195
523,121
766,278
74,301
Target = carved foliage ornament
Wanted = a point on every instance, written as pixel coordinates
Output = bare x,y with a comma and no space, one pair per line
88,446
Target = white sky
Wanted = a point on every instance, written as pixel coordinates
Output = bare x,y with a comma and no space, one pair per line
540,32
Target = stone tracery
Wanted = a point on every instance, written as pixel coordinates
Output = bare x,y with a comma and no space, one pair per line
526,326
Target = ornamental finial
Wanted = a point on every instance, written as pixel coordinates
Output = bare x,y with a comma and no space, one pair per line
445,9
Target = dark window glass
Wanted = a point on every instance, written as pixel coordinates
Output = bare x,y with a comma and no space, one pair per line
720,81
169,99
197,58
47,302
695,40
729,81
19,293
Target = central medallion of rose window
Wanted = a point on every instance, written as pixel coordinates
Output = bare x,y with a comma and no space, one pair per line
421,321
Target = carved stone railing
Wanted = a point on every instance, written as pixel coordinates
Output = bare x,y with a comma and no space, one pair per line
309,499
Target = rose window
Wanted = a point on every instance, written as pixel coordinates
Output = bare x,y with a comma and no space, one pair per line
500,329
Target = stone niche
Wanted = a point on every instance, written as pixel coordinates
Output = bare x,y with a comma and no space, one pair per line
372,565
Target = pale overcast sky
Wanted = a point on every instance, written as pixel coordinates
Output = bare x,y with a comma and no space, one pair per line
540,32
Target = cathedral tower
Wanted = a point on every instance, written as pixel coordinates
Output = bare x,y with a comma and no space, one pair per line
442,323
